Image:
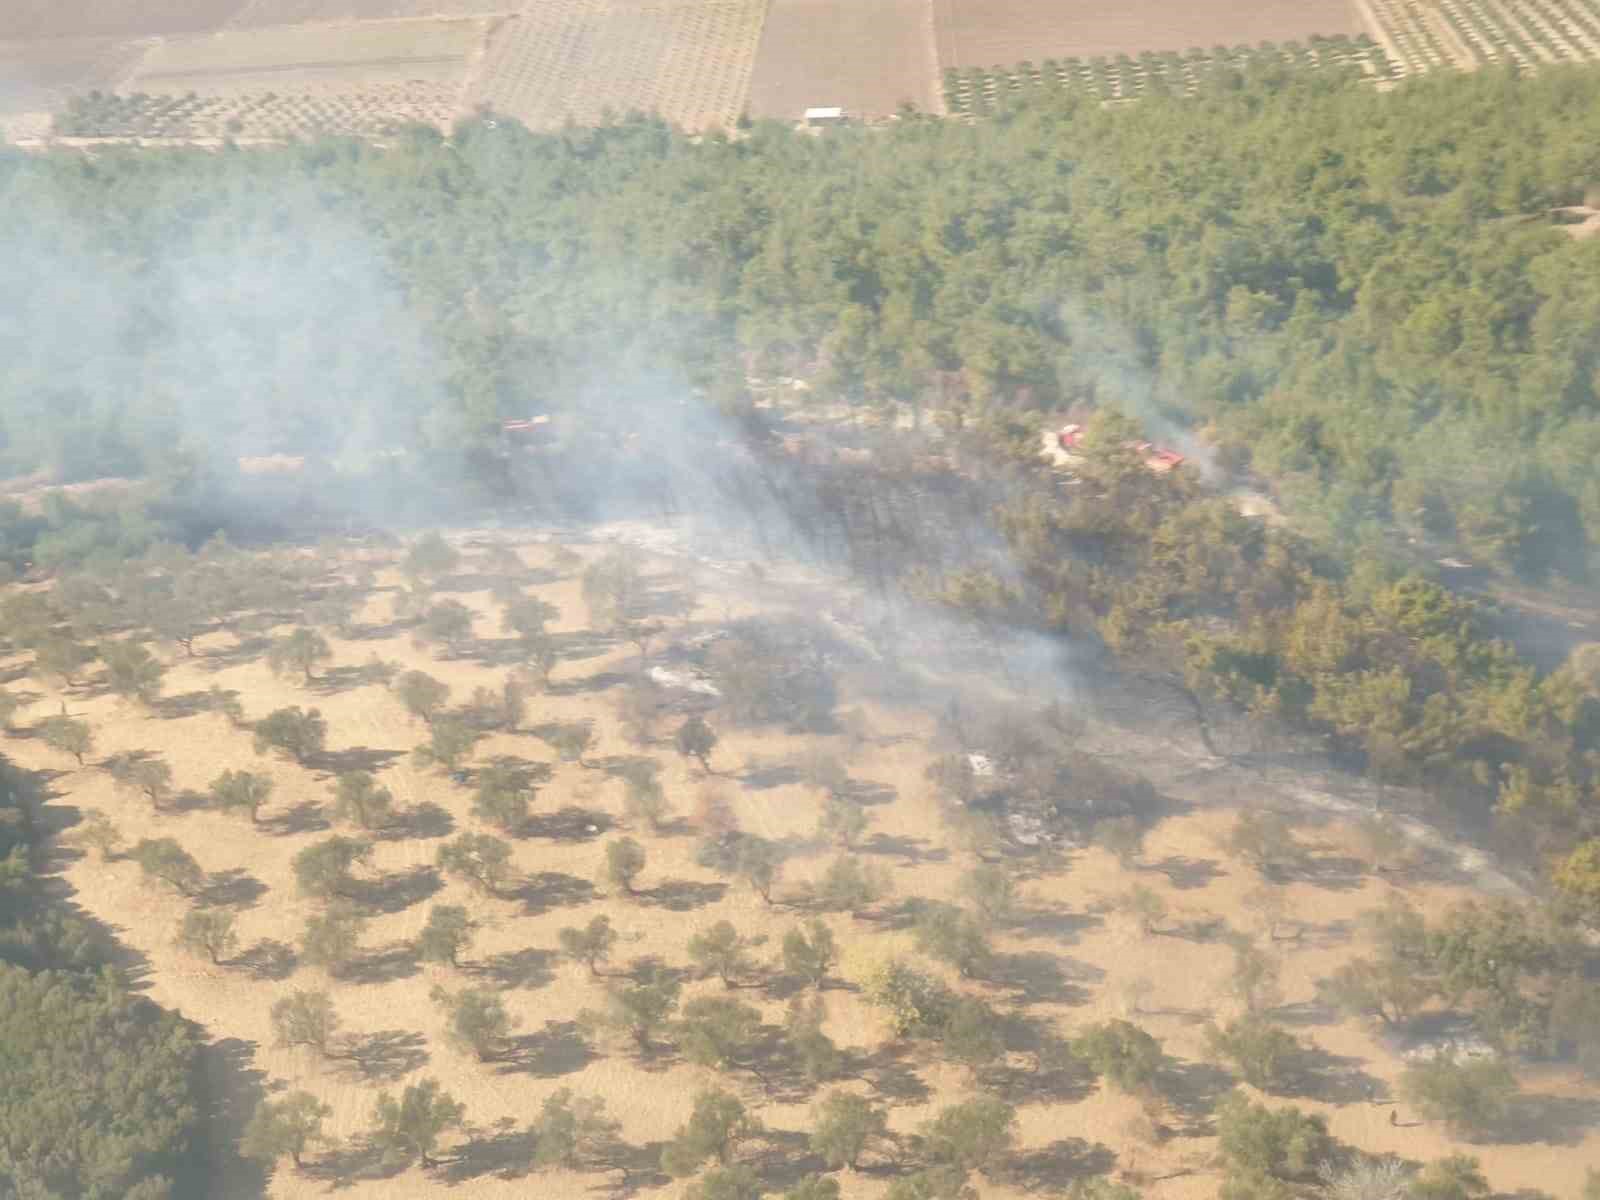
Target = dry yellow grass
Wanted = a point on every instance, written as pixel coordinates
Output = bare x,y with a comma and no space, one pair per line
1089,963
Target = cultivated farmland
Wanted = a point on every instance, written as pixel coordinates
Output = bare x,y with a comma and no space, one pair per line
1149,928
981,33
577,60
867,58
976,91
1476,33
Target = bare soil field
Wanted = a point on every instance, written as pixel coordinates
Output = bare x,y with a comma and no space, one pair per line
253,13
104,18
866,58
40,75
293,57
577,60
985,33
1065,960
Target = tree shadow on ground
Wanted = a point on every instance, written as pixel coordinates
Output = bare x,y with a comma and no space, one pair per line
908,848
867,793
232,1089
335,680
246,649
1304,1013
1335,872
785,1158
506,1154
1330,1078
892,1076
387,1055
1056,924
557,1049
308,816
1187,873
1036,978
551,890
1053,1167
267,959
395,961
569,824
420,821
1548,1120
1192,1090
233,888
357,1160
762,778
395,891
186,704
353,758
527,968
600,681
682,895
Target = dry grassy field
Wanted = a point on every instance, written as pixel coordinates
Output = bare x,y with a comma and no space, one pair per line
576,60
867,58
1064,960
984,33
254,13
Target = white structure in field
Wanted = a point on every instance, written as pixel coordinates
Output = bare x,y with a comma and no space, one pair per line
824,116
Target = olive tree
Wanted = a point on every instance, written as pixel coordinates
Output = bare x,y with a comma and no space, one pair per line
637,1008
299,733
166,860
721,951
323,868
590,945
720,1032
331,939
446,936
241,791
298,653
411,1126
361,800
208,931
68,735
147,776
502,796
1119,1052
306,1019
970,1136
287,1126
571,1130
450,742
1472,1096
482,859
809,951
625,860
716,1126
476,1020
696,740
422,694
845,1125
132,672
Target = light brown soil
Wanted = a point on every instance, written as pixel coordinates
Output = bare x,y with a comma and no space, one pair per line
865,58
987,33
579,60
1069,961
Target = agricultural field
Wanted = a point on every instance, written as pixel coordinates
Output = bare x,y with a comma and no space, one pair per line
1525,34
866,58
976,90
982,33
254,13
519,825
38,76
113,18
577,60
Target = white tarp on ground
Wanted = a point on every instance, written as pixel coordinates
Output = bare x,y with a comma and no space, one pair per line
982,765
687,681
